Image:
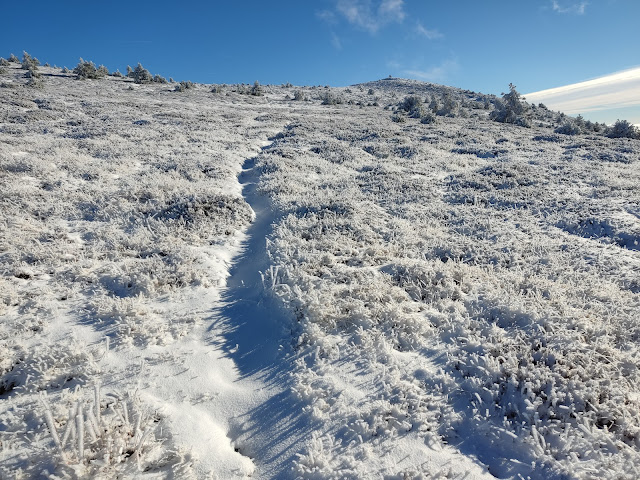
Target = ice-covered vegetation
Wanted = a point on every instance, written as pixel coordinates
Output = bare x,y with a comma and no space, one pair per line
415,290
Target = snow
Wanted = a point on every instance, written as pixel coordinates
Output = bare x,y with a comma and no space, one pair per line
217,285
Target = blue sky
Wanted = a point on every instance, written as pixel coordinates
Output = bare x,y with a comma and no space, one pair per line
479,45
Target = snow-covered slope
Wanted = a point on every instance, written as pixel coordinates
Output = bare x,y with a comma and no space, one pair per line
225,285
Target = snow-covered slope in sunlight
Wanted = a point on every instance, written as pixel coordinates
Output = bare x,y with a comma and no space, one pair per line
319,283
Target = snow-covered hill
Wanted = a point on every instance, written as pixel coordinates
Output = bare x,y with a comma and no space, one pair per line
311,283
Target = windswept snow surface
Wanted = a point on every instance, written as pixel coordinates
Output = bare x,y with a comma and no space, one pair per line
217,285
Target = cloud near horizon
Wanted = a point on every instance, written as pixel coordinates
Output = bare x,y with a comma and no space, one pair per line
614,91
436,74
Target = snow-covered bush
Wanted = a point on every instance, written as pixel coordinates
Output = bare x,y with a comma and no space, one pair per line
140,74
512,109
85,70
569,127
413,106
14,59
4,62
623,129
450,106
159,79
328,98
29,62
102,70
183,86
428,117
298,96
117,74
256,89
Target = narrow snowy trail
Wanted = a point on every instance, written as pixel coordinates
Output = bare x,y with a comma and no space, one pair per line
258,341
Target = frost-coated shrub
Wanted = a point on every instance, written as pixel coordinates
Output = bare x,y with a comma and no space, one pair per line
141,74
569,127
434,106
159,79
329,98
117,74
257,89
86,70
298,95
102,70
14,59
623,129
512,109
428,118
450,106
65,70
182,86
29,62
413,106
4,62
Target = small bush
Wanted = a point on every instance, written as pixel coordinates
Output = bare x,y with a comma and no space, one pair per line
30,64
398,118
569,127
14,59
183,86
35,82
4,62
85,70
65,70
104,71
623,129
117,74
512,109
216,89
330,99
413,106
140,74
428,118
159,79
450,106
298,96
257,89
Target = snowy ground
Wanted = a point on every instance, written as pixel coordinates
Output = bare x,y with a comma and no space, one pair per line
219,285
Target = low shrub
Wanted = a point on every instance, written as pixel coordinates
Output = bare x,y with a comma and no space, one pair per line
183,86
623,129
512,109
85,70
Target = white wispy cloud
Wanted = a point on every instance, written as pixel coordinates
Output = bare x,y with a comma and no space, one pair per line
369,15
438,73
431,34
617,90
335,41
577,8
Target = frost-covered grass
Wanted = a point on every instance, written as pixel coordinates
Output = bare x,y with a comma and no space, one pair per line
119,213
460,298
465,283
